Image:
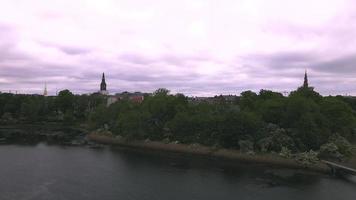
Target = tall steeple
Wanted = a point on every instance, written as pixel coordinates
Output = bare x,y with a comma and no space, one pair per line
45,93
306,85
103,83
103,90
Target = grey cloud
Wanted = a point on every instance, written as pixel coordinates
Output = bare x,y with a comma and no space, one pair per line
328,75
297,31
136,59
155,78
8,52
67,49
182,60
265,71
170,59
344,64
8,40
74,50
340,65
282,60
47,68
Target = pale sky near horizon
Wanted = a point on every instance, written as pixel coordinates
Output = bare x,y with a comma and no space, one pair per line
195,47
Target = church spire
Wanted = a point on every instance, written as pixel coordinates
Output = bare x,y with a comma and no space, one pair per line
103,86
306,84
45,93
103,83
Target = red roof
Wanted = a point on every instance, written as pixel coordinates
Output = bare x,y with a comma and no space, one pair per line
137,99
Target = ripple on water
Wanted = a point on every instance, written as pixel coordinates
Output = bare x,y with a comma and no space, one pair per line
53,172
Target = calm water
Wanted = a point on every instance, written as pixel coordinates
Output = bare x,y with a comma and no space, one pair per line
44,172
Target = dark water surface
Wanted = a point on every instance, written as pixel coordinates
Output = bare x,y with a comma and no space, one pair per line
43,172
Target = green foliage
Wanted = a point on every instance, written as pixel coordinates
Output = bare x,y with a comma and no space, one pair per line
308,124
344,147
307,158
99,117
30,109
161,91
329,151
340,117
266,121
306,93
7,118
36,108
69,118
273,110
285,152
275,139
65,100
267,94
246,146
248,100
133,124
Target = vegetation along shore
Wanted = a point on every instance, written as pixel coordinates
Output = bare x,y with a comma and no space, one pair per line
229,155
296,130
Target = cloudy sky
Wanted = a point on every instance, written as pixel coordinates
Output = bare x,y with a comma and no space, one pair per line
196,47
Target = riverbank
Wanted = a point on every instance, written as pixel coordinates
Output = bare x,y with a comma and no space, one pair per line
36,132
200,150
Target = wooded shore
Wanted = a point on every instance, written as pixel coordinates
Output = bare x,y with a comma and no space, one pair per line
200,150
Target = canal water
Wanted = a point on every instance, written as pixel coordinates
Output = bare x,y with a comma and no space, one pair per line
42,172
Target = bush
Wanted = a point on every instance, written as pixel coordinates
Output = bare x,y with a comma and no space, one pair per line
165,140
285,153
68,118
343,146
7,118
330,151
246,146
104,132
276,139
307,158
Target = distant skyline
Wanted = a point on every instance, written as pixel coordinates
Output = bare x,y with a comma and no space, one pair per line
195,47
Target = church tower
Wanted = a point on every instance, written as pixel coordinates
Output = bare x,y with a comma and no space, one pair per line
103,86
306,84
45,93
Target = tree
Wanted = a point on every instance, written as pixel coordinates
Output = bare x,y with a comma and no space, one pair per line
68,118
161,108
273,110
306,92
161,91
30,109
65,100
239,126
339,115
248,100
99,117
133,124
275,139
268,94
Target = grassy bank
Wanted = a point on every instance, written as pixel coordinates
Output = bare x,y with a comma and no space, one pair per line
226,154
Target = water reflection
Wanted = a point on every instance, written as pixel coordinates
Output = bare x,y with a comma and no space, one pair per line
57,172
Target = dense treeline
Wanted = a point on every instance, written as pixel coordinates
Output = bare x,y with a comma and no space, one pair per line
66,108
267,121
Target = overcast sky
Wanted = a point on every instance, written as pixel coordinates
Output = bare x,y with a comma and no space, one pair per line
196,47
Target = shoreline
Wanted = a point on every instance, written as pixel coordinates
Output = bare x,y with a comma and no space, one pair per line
209,152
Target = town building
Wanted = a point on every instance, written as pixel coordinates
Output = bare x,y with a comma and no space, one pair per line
136,97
